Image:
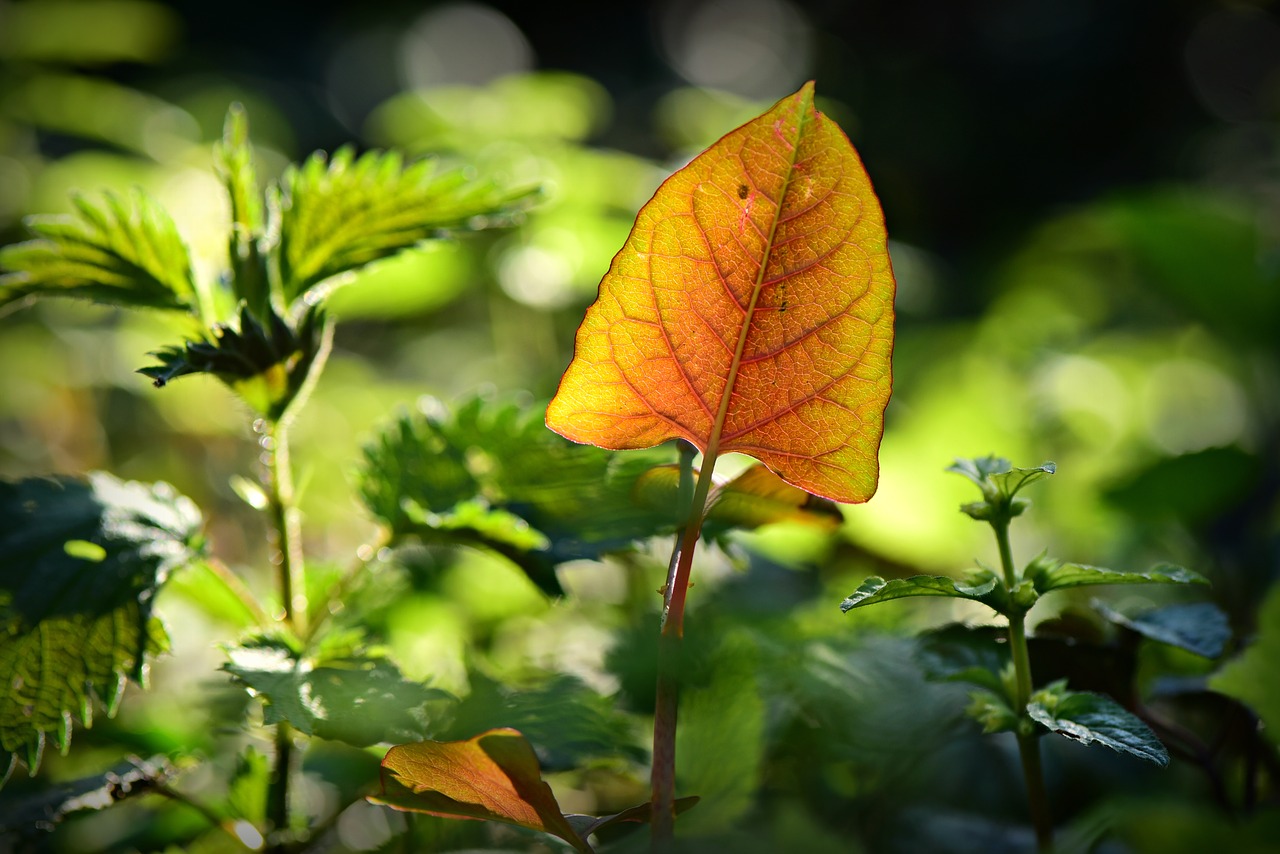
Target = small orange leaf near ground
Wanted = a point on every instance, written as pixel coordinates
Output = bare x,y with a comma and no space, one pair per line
493,776
750,310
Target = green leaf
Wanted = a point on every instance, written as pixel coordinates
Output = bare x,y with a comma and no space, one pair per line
1046,574
564,720
77,625
642,814
978,585
267,366
1000,483
493,776
1088,718
233,159
992,712
960,653
1200,627
433,474
123,251
337,214
1253,678
360,699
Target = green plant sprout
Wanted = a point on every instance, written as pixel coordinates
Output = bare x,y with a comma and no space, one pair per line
1005,700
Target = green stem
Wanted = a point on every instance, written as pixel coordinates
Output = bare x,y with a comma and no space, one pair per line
286,526
1028,744
670,646
278,790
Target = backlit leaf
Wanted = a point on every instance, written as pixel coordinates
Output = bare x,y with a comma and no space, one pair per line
358,699
494,776
76,622
337,214
121,251
979,585
750,310
1048,575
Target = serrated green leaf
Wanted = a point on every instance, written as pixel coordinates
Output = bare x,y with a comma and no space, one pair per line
978,585
564,719
577,498
267,365
1088,718
1047,575
358,700
1199,627
1253,678
122,251
337,214
75,629
991,711
233,159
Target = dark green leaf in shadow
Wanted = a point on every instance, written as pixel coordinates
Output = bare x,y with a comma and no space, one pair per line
1200,627
80,565
642,814
958,653
1193,487
268,366
357,699
1089,718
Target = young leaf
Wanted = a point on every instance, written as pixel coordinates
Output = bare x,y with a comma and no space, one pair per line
339,214
978,585
1198,627
360,700
750,310
1049,575
493,776
440,473
268,366
122,251
80,564
233,158
1088,718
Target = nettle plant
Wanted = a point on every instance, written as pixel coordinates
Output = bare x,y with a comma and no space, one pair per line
751,310
1004,698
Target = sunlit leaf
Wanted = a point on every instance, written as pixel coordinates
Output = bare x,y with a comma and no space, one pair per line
750,310
435,474
233,157
1254,677
1049,575
75,626
123,251
493,776
1198,627
337,214
358,699
978,585
1092,718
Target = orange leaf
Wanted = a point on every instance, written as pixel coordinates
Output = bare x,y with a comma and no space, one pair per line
750,310
494,776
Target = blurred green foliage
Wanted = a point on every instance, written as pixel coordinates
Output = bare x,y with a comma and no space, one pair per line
1083,207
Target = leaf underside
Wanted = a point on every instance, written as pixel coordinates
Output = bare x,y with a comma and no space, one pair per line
80,565
750,310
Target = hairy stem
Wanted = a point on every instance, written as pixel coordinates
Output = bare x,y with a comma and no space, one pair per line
1028,744
286,526
278,790
670,645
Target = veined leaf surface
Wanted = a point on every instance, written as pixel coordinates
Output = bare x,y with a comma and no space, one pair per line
750,310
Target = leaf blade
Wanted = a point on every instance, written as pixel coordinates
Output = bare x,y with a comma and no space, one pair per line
978,586
751,310
1087,718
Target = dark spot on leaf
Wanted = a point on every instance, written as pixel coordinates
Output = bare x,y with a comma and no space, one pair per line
743,189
